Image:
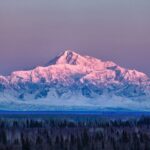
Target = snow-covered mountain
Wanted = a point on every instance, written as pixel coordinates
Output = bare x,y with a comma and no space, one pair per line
72,81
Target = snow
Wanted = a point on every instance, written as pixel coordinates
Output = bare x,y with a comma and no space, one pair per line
73,80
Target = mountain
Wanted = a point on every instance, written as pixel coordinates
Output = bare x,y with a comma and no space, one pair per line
71,81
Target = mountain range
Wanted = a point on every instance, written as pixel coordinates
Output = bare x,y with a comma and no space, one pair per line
72,81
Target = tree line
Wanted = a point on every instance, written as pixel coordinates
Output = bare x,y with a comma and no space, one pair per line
71,134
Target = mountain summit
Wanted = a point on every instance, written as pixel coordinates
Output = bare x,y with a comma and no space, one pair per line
72,58
72,81
67,57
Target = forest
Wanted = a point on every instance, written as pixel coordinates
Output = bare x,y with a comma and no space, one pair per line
74,134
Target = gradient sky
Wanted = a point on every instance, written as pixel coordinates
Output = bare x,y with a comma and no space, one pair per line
34,31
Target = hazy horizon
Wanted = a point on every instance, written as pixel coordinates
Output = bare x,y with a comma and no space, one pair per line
32,32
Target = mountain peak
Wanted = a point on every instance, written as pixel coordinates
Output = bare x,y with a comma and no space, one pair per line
67,52
72,58
77,79
66,57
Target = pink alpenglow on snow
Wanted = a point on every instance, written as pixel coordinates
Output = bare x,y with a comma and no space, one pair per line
73,81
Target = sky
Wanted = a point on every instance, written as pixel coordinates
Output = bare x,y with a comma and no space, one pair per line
34,31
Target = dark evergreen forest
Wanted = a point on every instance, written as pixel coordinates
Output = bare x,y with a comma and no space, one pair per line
72,134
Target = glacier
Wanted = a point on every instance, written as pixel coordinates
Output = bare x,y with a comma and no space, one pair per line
72,81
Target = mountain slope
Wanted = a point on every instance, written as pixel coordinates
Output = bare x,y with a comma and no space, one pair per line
72,80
